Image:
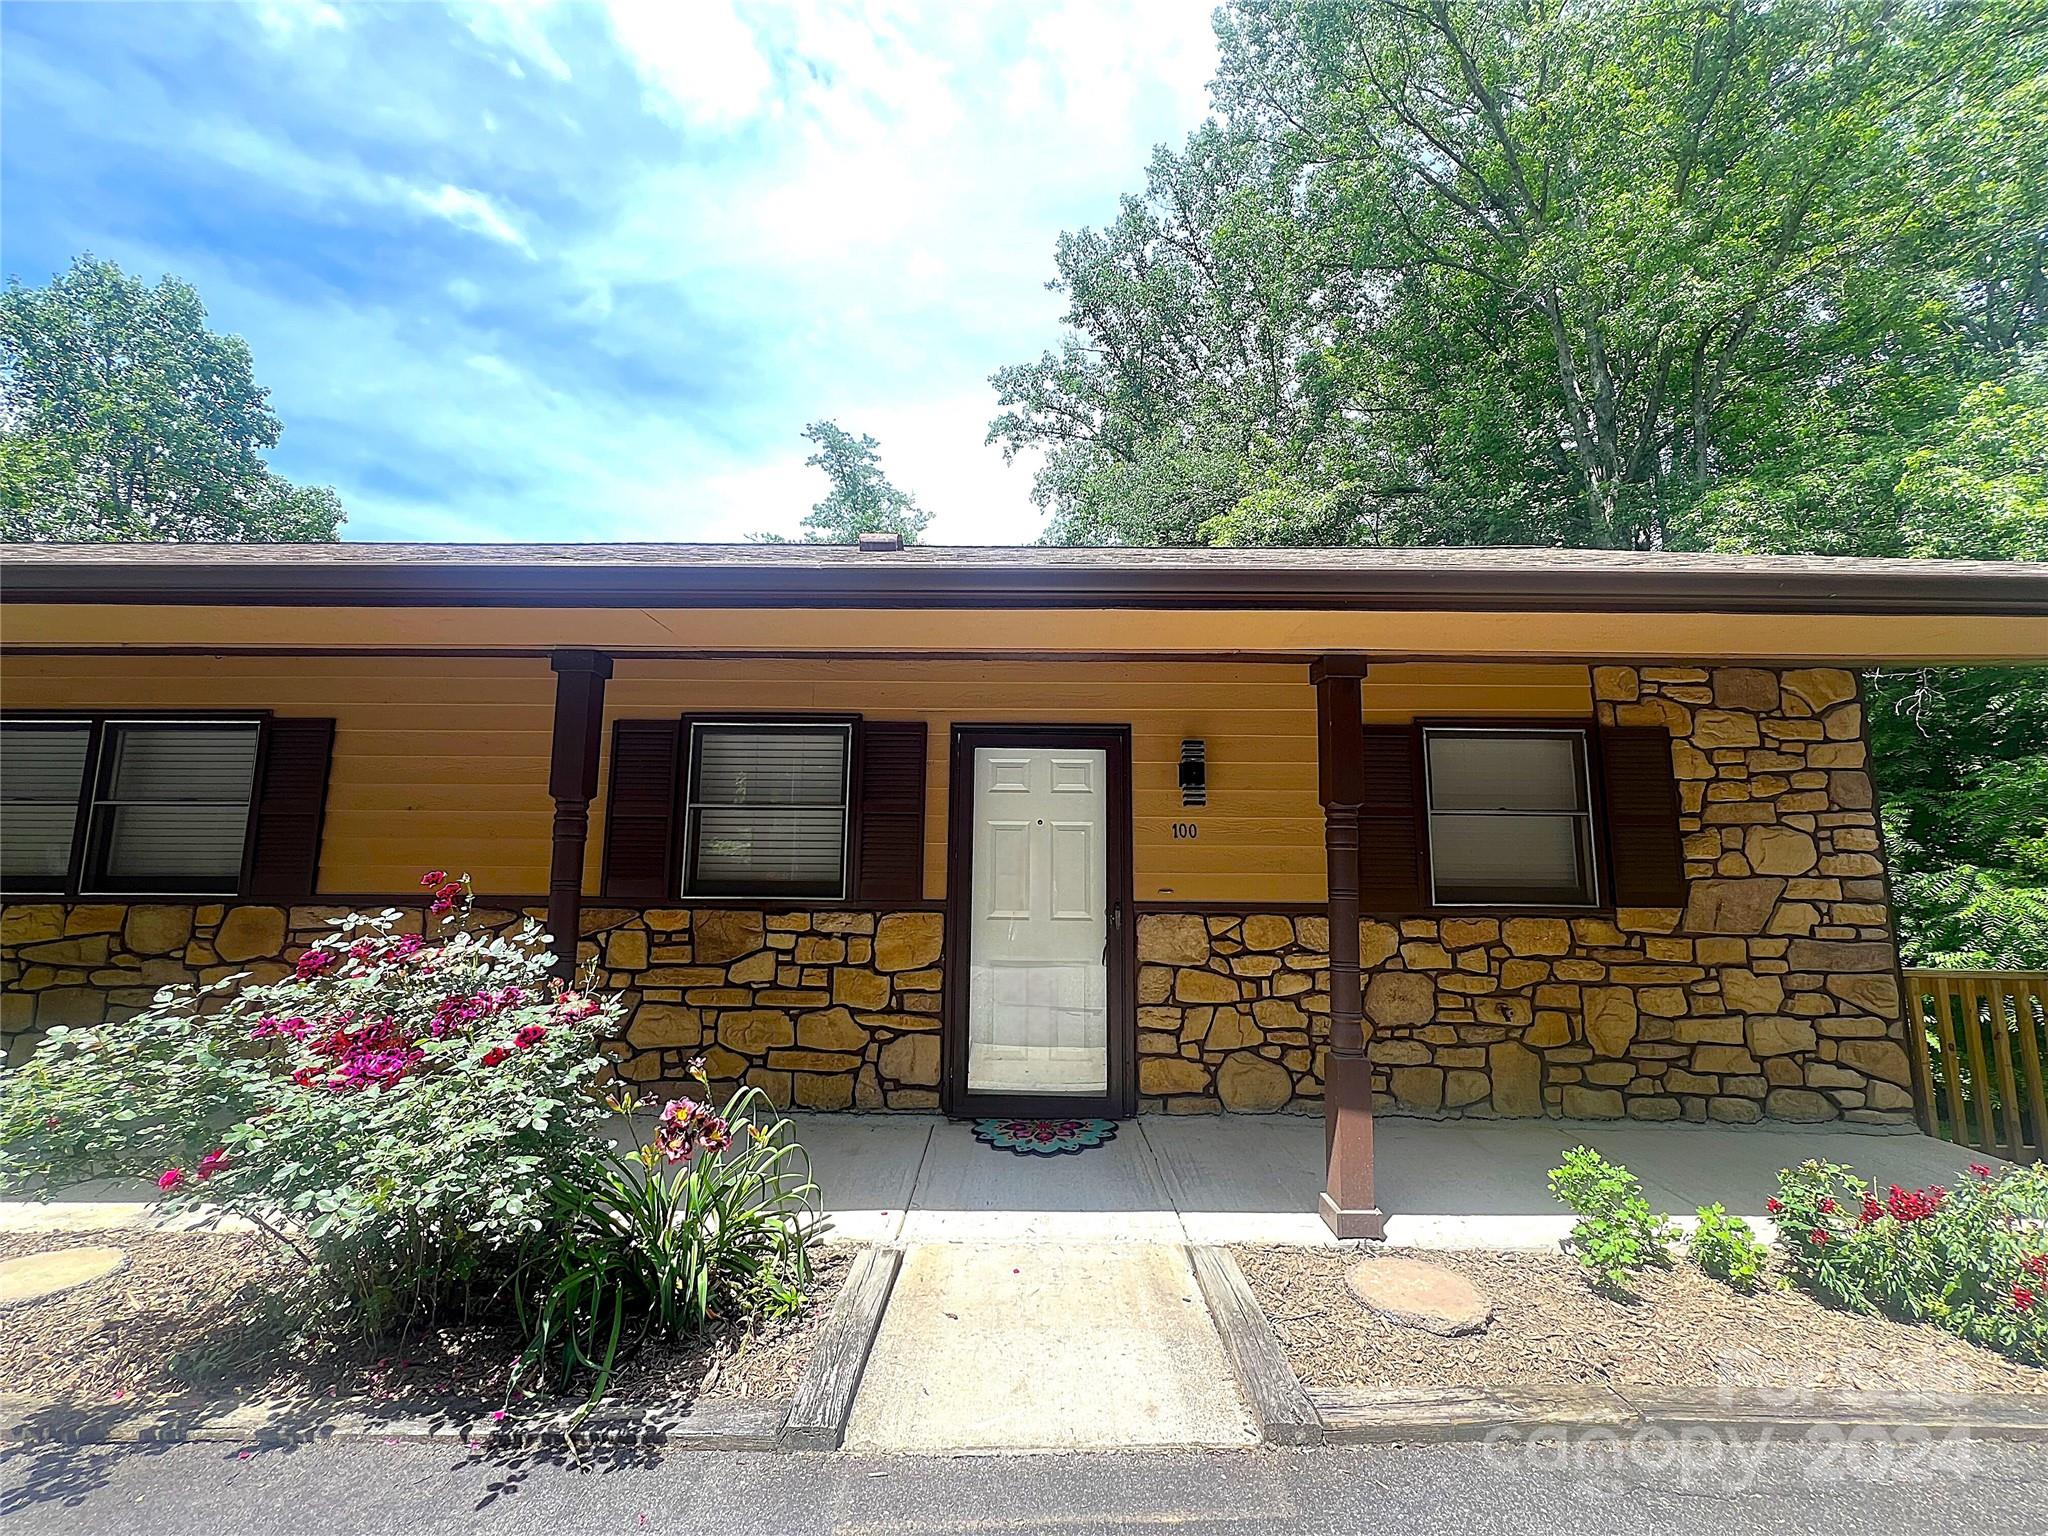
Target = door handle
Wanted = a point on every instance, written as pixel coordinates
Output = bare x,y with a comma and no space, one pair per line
1113,924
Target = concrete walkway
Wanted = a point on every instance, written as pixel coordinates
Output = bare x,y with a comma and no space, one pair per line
1233,1179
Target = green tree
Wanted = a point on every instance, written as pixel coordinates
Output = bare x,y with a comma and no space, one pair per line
862,499
123,417
1960,754
1456,271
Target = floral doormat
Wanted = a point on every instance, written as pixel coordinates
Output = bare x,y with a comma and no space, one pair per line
1044,1138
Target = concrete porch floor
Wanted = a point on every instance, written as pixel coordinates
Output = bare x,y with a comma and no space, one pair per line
1254,1179
1235,1179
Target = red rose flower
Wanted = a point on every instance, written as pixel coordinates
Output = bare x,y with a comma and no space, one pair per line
1774,1205
1827,1205
530,1036
1818,1238
494,1055
434,877
2022,1298
1982,1170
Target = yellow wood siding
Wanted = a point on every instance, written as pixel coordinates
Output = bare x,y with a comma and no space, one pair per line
444,761
435,760
1260,837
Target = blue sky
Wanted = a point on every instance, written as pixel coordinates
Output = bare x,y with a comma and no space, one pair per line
583,271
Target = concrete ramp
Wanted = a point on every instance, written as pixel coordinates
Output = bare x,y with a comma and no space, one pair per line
1046,1346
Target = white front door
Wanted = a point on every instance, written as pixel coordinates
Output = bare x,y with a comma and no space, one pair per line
1038,952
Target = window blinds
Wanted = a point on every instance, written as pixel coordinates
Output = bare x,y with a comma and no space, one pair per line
768,810
173,806
42,768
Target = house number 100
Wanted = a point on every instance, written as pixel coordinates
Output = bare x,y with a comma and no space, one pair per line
1184,831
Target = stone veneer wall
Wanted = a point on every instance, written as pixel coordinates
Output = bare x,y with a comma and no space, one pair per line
824,1010
1771,993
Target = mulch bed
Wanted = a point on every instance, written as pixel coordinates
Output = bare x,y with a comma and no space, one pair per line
215,1313
1687,1331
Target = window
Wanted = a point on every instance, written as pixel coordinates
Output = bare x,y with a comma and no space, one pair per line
167,811
1510,818
42,771
767,810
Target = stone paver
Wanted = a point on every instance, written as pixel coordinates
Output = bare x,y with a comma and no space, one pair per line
1418,1295
36,1275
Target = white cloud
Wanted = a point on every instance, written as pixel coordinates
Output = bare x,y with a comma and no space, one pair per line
700,60
469,210
517,27
286,18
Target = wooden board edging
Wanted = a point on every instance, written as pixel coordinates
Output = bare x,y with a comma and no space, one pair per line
824,1398
1361,1416
1284,1414
1382,1416
1964,1415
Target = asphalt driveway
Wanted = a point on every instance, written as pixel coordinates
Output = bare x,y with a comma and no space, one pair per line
362,1488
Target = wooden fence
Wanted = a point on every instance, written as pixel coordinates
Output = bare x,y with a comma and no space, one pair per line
1982,1040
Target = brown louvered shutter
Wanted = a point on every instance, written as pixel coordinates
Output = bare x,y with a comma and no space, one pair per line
283,862
890,784
1646,848
1393,875
640,810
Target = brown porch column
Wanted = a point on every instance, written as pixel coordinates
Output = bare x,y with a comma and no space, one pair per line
572,780
1347,1204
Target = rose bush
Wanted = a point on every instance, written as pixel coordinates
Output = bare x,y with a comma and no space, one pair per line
1972,1258
399,1109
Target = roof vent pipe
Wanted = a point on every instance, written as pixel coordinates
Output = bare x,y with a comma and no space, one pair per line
880,543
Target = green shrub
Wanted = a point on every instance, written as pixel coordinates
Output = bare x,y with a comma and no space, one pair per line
1972,1259
1616,1235
711,1220
1725,1248
397,1110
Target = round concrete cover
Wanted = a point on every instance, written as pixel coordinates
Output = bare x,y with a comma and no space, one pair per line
1421,1296
36,1275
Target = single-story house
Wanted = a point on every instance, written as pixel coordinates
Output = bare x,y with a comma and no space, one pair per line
1020,831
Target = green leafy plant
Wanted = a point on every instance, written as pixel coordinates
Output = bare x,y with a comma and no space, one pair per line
1725,1248
398,1110
1617,1235
1972,1259
712,1219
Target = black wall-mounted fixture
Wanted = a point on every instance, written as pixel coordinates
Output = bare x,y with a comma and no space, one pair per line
1194,773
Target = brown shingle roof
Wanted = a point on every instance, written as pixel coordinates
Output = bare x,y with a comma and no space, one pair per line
833,575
